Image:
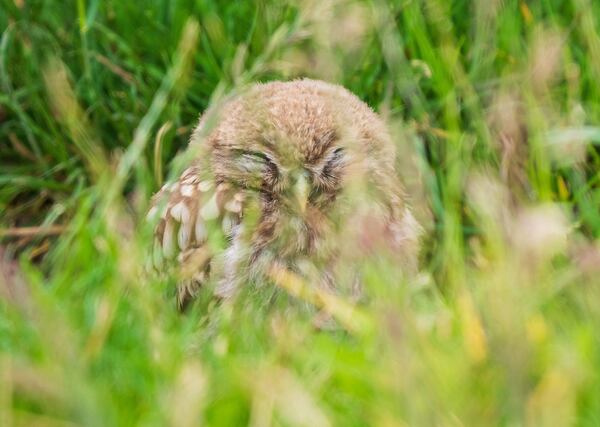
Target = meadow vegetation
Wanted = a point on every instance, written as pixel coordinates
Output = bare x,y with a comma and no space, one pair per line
494,109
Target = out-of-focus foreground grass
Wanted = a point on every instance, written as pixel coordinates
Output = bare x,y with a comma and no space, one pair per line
494,108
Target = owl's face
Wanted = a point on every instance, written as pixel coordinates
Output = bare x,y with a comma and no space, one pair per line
296,183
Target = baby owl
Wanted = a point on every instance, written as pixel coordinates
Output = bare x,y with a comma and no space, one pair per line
293,173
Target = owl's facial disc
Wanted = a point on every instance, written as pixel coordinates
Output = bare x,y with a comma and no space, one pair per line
304,185
296,194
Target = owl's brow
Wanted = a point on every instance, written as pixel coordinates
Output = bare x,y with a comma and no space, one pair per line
322,146
269,141
260,154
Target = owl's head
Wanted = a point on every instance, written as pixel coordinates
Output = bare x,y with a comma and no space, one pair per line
291,147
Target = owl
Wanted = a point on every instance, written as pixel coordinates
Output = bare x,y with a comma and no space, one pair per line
295,174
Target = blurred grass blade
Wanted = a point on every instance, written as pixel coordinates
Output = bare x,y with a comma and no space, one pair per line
64,102
349,317
158,141
181,63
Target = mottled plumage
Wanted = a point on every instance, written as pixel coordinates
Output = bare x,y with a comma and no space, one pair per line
309,158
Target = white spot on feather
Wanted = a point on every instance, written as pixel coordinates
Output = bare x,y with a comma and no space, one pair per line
187,190
200,229
180,212
204,186
210,210
168,242
183,237
234,206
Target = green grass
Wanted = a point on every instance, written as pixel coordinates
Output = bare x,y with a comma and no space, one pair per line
494,107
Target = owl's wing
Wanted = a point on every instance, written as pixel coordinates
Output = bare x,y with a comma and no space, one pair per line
187,211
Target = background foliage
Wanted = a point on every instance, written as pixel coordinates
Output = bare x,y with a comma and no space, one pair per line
493,104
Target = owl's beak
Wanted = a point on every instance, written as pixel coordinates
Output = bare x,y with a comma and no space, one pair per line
301,192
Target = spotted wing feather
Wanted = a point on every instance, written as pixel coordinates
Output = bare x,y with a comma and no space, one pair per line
188,210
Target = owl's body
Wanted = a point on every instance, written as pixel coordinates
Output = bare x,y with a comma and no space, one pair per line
286,169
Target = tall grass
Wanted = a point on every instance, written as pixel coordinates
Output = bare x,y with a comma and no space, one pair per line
493,105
